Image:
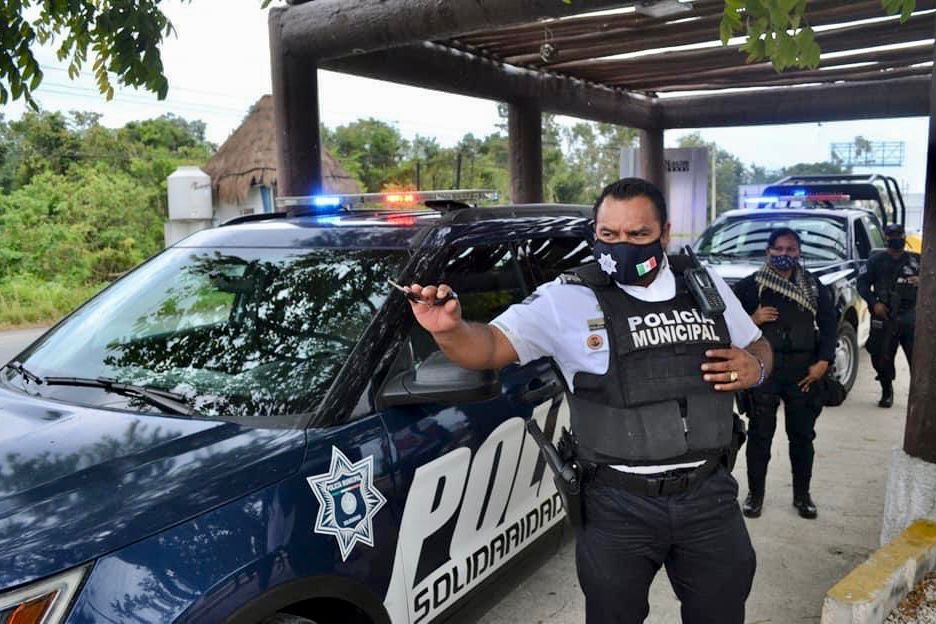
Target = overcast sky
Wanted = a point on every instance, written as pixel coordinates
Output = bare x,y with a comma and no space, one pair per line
219,64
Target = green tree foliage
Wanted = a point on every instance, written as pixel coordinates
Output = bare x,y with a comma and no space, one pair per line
779,30
122,37
369,149
81,203
589,158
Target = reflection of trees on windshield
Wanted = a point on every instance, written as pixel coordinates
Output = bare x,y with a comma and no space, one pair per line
257,337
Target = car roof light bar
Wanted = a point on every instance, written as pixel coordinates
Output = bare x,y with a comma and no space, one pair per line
769,199
391,199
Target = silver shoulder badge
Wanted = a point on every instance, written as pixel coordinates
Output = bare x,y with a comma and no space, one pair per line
348,501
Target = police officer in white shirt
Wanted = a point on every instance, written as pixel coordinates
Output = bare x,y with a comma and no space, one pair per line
651,382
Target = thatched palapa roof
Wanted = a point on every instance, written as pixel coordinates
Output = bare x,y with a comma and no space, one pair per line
248,158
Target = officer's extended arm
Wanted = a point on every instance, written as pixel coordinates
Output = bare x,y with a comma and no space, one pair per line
470,345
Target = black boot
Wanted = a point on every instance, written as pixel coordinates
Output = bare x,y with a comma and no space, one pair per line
805,506
753,505
887,394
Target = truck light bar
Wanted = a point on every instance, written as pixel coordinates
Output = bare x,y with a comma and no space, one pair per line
769,199
393,199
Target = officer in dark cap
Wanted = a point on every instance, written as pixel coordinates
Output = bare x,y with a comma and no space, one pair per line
889,282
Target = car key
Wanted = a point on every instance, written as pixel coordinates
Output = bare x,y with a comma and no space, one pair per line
416,298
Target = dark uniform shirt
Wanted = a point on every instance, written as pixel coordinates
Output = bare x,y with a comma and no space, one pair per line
826,315
885,275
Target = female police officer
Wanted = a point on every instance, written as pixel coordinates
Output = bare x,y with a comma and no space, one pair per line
651,382
797,315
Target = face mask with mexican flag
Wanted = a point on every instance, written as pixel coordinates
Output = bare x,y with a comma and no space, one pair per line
628,263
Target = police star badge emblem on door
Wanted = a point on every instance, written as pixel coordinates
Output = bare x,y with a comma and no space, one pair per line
348,501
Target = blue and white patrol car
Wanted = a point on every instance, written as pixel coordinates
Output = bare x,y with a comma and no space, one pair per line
839,220
249,427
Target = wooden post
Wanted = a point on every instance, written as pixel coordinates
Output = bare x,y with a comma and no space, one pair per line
651,157
525,135
920,432
295,115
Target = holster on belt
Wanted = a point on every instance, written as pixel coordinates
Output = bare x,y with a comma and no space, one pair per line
567,473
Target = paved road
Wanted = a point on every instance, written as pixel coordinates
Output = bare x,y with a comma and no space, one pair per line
798,560
12,342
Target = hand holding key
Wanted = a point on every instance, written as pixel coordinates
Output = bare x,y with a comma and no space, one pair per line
436,308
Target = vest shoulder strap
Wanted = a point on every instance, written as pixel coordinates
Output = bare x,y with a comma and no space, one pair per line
589,275
678,263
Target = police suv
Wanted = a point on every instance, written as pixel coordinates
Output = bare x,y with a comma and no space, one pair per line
249,427
839,232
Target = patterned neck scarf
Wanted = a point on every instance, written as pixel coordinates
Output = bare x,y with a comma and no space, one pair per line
798,289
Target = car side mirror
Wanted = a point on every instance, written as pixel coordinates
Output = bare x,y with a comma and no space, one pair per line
438,380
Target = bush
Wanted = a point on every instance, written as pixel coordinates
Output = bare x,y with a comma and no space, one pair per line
26,300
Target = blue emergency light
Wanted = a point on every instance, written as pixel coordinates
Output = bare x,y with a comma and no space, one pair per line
392,200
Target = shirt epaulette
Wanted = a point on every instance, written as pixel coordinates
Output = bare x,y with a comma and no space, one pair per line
571,278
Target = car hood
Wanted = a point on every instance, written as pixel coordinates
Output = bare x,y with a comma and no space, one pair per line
735,270
76,483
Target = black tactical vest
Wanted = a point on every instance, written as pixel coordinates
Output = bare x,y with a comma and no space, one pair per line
652,406
794,331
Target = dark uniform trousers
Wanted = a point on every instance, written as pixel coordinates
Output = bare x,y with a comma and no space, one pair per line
800,412
699,535
883,349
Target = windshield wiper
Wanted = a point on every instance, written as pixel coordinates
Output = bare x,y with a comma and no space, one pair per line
25,372
171,402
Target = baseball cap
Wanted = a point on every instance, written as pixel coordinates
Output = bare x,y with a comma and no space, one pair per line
894,229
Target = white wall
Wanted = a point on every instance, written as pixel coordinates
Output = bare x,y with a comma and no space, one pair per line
224,211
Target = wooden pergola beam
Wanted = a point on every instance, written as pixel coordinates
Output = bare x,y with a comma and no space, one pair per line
918,27
327,29
587,24
627,39
434,66
905,97
764,73
854,74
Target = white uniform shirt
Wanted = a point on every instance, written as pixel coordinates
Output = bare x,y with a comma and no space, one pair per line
555,321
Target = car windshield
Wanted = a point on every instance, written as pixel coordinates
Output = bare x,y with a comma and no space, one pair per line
825,239
241,333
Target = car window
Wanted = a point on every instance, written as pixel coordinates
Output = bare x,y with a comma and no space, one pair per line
544,259
242,333
862,242
875,234
824,238
487,279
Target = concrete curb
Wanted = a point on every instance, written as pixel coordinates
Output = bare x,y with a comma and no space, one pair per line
873,589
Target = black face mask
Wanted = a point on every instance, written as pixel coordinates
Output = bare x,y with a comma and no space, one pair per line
628,263
897,244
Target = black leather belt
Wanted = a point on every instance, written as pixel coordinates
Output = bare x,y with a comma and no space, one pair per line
661,484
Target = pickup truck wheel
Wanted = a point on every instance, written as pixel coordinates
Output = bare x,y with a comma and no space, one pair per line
287,618
845,363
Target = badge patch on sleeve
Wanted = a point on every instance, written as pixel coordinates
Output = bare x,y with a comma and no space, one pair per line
594,342
348,501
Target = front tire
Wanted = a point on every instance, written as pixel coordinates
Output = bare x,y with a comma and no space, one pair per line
845,362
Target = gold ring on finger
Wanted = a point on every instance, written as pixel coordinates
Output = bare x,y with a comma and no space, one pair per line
733,376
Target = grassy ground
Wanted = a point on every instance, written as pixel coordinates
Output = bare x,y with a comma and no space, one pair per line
26,302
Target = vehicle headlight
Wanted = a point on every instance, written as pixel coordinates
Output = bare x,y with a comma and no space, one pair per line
43,602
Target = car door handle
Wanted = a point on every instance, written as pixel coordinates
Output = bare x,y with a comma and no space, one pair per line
539,394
